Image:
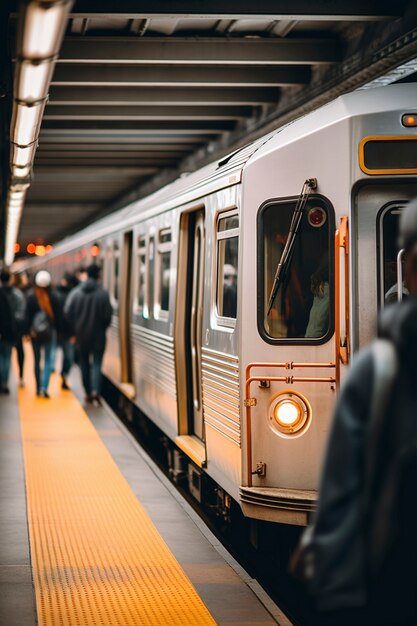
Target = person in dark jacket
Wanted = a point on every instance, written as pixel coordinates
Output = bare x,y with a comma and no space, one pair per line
67,284
42,300
359,558
21,282
89,312
17,308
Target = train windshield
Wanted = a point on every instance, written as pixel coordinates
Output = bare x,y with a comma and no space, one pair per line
301,309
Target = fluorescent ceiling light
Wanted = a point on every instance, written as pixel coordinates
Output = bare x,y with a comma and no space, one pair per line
32,80
26,122
21,172
44,26
23,156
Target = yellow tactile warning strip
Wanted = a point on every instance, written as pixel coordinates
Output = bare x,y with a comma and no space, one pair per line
96,556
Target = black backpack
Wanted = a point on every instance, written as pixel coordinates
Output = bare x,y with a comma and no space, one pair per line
41,329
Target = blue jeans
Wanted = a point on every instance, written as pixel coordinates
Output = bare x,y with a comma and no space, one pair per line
42,376
5,358
90,364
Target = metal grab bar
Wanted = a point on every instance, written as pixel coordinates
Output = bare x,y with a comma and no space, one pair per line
289,380
342,350
400,292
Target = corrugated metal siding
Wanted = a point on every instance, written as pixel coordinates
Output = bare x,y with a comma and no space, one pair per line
154,359
221,394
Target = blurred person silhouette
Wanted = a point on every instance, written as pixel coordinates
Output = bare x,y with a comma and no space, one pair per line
21,282
358,559
17,305
41,323
318,321
229,291
66,285
89,312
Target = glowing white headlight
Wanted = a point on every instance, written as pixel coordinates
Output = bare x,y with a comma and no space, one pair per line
289,413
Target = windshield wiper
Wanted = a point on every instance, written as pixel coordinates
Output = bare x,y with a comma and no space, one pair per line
284,262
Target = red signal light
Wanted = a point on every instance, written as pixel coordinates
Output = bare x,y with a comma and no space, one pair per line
31,248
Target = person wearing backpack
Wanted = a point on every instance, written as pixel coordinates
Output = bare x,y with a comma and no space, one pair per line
16,310
42,322
358,559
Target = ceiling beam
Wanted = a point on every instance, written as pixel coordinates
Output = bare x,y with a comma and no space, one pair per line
104,75
117,113
233,9
99,148
163,96
187,126
188,142
199,51
56,174
111,161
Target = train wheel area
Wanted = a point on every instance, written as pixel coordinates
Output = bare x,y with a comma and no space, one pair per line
107,539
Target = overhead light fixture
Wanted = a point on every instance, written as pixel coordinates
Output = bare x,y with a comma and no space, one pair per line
22,156
21,172
32,80
41,26
26,122
44,24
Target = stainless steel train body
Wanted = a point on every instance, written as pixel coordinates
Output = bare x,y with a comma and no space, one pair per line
245,393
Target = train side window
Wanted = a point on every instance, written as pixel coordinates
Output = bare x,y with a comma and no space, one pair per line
301,309
227,265
141,299
163,271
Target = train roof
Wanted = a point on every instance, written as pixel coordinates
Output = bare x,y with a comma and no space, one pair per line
356,103
229,169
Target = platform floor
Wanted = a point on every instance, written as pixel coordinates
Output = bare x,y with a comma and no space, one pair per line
220,590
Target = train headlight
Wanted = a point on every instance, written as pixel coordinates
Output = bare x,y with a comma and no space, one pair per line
289,413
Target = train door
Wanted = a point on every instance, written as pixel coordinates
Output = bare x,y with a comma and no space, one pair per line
188,333
377,209
125,306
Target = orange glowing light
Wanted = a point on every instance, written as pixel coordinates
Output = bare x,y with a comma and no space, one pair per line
16,248
409,120
48,248
40,250
95,250
31,248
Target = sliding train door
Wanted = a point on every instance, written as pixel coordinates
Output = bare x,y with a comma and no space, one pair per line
376,215
188,333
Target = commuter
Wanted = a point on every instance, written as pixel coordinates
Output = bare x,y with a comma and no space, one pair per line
21,282
359,558
42,321
89,311
68,282
17,307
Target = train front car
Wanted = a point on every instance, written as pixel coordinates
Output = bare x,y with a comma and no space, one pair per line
321,201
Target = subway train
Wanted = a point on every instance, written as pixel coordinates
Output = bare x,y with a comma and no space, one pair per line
241,290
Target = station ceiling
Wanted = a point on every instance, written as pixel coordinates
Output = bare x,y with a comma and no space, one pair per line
145,91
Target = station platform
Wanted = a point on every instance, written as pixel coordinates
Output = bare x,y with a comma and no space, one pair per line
91,532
